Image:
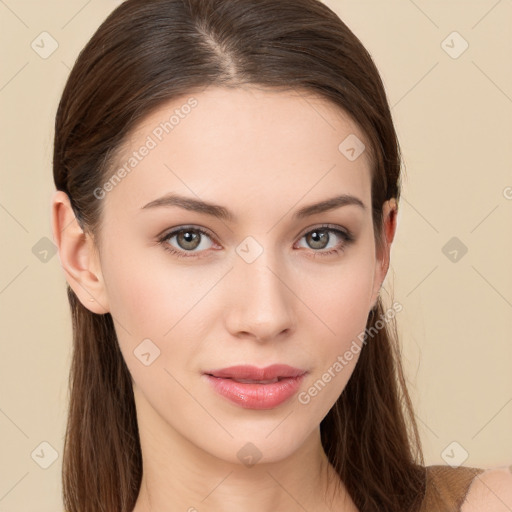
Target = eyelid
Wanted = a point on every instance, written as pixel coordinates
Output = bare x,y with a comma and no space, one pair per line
167,232
334,227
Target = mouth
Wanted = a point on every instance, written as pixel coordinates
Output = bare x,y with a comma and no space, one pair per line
256,388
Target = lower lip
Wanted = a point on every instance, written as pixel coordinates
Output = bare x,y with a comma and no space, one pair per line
256,396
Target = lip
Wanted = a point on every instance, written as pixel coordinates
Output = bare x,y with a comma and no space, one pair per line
256,395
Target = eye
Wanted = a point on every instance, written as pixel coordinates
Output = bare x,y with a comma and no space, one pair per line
188,239
321,236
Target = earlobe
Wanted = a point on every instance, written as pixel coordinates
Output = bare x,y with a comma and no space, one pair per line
78,256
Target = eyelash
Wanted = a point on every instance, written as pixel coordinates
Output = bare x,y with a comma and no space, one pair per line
347,237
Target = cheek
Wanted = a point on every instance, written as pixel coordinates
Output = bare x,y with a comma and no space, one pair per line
152,328
341,298
151,299
339,303
135,300
146,297
343,308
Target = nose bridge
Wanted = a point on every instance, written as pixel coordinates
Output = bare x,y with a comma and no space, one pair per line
262,304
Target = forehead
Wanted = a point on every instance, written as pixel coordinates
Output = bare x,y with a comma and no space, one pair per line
241,146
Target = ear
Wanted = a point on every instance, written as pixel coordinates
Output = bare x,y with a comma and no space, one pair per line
78,256
389,214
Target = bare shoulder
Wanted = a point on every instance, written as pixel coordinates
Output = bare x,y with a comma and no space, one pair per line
490,491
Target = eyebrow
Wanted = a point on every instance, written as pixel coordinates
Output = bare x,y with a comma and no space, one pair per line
223,213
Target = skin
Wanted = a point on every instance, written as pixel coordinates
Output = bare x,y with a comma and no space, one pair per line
491,491
263,155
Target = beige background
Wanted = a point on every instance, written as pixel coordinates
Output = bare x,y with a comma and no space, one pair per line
453,117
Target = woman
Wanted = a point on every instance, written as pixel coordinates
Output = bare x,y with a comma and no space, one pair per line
227,178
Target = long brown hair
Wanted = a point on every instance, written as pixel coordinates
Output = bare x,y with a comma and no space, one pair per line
148,52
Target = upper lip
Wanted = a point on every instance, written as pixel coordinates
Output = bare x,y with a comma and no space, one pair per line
255,373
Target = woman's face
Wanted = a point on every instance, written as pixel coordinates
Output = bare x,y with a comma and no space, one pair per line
263,285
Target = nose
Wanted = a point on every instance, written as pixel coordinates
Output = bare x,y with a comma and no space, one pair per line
261,304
